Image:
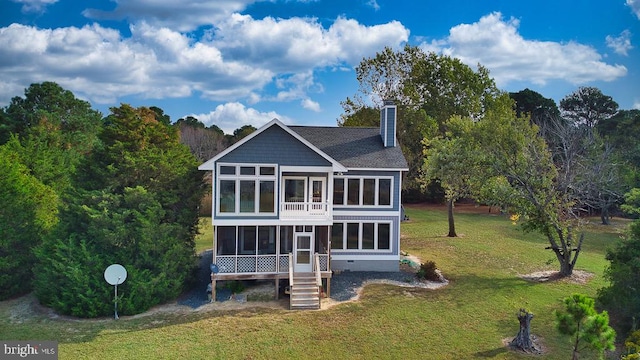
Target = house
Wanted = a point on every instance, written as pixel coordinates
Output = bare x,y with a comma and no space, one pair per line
298,202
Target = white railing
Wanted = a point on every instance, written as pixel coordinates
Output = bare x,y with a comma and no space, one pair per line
290,269
317,268
304,210
264,264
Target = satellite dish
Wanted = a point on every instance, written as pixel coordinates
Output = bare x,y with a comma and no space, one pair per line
115,274
214,268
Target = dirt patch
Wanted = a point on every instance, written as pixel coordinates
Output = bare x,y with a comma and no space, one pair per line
578,277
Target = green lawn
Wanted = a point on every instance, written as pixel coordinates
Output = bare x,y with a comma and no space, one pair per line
204,240
467,319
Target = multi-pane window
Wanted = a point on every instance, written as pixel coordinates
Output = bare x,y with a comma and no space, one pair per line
362,191
246,189
246,240
361,236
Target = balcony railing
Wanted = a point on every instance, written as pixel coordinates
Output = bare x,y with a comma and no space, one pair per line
304,210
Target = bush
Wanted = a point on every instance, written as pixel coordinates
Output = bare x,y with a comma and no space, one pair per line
428,271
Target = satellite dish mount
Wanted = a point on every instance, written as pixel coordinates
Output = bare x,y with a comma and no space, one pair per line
115,274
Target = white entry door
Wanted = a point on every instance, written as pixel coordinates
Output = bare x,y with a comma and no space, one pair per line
302,253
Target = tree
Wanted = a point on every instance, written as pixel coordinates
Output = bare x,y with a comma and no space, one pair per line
240,133
53,131
585,325
454,161
203,142
28,211
136,203
515,151
622,296
622,132
533,104
588,106
428,88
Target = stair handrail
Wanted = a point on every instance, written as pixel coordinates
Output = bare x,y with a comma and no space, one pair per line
317,265
290,269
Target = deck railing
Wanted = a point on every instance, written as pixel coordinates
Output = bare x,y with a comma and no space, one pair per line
304,210
263,264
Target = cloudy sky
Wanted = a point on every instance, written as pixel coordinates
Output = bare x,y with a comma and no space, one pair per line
238,62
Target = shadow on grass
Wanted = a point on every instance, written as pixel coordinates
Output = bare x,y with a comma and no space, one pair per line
491,353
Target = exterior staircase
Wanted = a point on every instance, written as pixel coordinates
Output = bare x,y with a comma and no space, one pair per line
304,292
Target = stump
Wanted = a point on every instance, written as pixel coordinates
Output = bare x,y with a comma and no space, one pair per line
524,341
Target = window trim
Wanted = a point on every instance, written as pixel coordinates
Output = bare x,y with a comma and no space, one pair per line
237,177
361,178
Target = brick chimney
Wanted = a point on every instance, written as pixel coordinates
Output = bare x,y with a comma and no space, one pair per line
388,123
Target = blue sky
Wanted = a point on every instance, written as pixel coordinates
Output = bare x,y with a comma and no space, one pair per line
238,62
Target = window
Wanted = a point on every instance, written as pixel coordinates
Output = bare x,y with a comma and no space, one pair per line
337,236
352,235
286,239
353,194
266,240
267,200
294,190
367,236
361,236
362,191
247,196
226,240
384,192
246,190
338,191
384,236
227,196
247,240
369,192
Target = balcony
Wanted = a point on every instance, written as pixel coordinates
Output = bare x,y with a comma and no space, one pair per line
300,210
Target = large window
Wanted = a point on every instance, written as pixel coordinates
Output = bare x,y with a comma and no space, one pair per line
362,191
246,189
361,236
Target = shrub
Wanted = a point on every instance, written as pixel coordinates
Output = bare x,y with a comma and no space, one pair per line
428,271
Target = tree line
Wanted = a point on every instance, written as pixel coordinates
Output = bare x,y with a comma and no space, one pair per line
79,191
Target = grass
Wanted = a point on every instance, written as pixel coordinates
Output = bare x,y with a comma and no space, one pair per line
204,240
467,319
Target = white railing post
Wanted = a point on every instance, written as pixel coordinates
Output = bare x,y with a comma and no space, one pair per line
290,269
317,266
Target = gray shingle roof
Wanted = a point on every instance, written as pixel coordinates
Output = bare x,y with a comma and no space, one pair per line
354,147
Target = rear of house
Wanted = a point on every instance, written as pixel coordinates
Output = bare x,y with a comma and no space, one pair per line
298,202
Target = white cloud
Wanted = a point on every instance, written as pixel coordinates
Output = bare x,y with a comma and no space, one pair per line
310,105
176,14
373,4
496,44
234,115
621,44
290,45
635,7
636,105
236,61
99,64
34,5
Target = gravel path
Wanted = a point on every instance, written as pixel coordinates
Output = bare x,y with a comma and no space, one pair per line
344,285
